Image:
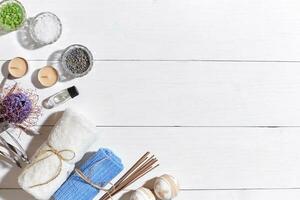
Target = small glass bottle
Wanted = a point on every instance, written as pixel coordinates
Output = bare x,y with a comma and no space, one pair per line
60,97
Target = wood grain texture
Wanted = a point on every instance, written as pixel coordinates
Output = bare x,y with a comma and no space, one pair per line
196,82
183,94
183,195
152,29
201,158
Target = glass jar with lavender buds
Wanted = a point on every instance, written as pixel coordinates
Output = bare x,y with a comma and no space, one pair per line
77,60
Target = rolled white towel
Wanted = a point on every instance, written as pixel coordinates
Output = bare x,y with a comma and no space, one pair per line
55,159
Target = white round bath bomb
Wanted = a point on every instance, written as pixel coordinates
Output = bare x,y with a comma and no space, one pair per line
142,194
166,187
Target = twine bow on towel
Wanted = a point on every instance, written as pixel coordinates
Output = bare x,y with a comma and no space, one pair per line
59,155
90,182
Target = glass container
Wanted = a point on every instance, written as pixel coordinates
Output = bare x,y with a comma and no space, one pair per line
60,97
12,15
69,51
45,28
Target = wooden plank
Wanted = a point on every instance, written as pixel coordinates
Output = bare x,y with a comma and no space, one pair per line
201,158
207,195
251,30
182,94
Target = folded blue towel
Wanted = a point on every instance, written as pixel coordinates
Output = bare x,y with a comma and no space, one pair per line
100,168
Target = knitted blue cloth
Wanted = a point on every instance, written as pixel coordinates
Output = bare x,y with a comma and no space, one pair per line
100,168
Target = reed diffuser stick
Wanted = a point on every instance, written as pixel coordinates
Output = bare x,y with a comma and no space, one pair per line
143,166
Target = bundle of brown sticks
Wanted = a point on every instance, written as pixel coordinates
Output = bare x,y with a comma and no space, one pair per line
143,166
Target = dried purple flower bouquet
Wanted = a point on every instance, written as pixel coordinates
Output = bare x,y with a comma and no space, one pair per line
18,109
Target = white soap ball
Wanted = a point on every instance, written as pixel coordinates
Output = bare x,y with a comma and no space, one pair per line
142,194
166,187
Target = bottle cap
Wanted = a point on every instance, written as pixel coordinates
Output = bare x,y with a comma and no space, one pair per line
73,91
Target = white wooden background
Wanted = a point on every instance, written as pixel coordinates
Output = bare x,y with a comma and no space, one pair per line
211,87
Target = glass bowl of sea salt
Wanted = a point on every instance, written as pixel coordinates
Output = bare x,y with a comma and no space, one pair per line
45,28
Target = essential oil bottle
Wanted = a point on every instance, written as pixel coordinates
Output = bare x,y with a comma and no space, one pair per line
60,97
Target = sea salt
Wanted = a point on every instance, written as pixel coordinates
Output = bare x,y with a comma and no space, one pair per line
46,28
